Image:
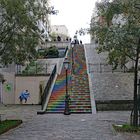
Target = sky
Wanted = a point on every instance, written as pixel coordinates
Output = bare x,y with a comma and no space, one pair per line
75,14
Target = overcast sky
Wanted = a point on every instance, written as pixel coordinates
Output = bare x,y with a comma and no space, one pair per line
74,14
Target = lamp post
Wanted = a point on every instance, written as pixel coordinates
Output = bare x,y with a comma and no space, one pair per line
72,45
67,97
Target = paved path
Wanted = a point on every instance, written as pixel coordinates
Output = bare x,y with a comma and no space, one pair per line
61,127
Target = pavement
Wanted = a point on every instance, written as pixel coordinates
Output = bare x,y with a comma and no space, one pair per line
96,126
65,127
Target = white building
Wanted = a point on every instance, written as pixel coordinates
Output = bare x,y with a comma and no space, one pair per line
60,30
44,22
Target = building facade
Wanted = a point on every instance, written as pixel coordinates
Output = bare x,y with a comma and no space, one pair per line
60,30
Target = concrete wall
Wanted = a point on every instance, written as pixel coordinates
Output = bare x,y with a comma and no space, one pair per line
51,62
58,44
32,84
13,86
56,61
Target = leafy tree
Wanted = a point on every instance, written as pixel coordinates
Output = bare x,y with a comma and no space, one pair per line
20,33
117,27
52,51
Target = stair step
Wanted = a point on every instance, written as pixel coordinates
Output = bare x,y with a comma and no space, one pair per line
71,110
75,100
56,101
80,96
80,100
80,92
71,106
80,110
55,109
80,107
80,103
54,112
57,97
71,100
55,106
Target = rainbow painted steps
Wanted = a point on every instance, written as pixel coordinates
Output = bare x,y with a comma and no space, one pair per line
78,87
80,94
56,102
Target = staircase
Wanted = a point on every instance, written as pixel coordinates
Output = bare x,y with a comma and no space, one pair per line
56,102
78,86
80,97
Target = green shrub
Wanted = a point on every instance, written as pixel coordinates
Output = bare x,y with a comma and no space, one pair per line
8,124
52,51
126,128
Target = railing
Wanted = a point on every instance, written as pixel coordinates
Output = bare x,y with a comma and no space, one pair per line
47,88
104,67
66,51
39,68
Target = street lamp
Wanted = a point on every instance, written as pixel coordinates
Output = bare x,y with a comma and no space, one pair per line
67,97
72,45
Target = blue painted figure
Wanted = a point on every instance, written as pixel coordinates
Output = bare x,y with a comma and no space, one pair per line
24,95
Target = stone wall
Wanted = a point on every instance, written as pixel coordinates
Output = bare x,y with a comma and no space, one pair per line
114,105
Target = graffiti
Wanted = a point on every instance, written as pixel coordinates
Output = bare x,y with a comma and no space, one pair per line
8,87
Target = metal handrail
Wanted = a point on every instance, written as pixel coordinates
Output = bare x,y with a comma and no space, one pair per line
47,88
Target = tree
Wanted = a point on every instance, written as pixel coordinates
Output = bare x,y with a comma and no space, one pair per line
52,52
20,33
117,27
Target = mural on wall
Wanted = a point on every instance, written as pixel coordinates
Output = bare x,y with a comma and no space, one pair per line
24,95
8,87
